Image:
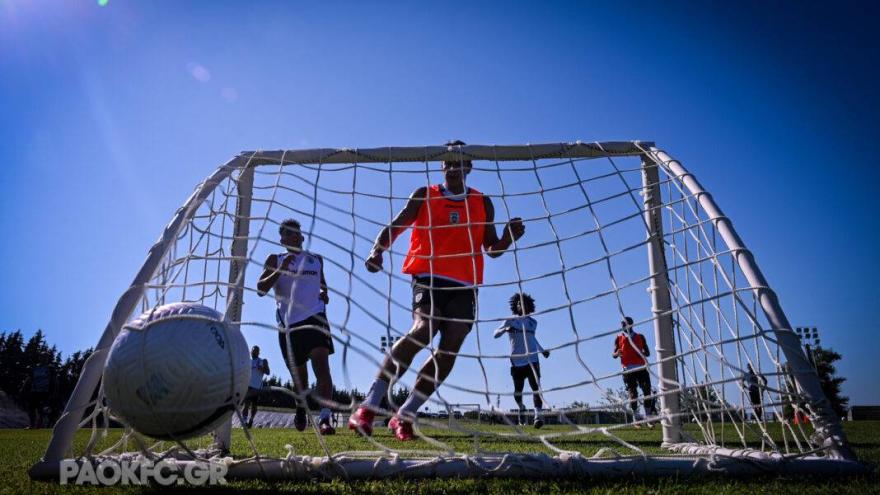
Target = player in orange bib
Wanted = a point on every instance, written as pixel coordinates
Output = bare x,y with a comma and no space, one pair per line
452,227
632,349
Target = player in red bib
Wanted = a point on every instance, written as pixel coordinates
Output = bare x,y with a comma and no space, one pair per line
632,349
452,227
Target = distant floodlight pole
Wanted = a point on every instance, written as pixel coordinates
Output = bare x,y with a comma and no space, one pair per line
809,337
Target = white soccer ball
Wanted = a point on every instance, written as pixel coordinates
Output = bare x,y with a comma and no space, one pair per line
176,372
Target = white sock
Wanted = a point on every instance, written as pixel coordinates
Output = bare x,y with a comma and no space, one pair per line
324,414
376,393
412,404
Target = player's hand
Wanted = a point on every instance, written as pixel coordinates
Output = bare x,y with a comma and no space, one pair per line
325,297
285,266
514,229
374,261
546,354
615,354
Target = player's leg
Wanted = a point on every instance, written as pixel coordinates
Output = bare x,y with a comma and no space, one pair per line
399,359
300,375
295,361
452,302
519,381
755,399
534,375
644,379
323,388
250,403
244,410
405,349
631,384
393,366
403,352
432,373
437,367
254,399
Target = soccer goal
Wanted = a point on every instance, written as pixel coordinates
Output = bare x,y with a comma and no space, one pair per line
613,230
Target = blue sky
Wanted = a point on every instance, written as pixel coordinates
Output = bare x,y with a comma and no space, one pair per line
109,116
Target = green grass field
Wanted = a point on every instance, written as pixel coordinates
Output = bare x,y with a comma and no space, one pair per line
20,448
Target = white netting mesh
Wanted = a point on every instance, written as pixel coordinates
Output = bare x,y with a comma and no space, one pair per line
583,258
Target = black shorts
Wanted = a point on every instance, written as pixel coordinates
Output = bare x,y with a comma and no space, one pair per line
755,396
303,340
447,299
253,393
524,372
637,378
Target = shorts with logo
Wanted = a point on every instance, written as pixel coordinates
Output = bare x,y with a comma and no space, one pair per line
434,296
302,341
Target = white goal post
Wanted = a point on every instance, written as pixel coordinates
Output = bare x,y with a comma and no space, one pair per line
711,310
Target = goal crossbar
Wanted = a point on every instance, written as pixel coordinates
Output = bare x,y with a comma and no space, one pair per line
499,153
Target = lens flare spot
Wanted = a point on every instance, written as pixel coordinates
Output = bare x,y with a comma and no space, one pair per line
198,72
229,94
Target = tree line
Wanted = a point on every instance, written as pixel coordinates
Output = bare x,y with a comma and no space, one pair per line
19,358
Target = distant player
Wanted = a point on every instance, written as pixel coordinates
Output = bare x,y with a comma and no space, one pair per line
37,390
452,226
632,349
297,277
754,383
259,368
524,348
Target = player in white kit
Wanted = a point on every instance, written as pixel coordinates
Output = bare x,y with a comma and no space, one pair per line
259,368
524,348
297,278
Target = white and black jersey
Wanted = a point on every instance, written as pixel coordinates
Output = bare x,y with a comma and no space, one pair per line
298,289
257,366
524,347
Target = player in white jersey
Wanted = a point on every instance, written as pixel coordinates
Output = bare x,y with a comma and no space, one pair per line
524,348
259,368
297,278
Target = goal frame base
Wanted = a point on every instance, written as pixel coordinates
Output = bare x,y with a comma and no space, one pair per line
351,466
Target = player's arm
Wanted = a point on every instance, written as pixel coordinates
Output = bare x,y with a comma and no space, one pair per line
270,275
325,295
513,230
645,350
401,222
616,353
266,367
502,330
545,352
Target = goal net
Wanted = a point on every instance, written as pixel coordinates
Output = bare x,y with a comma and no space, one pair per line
613,230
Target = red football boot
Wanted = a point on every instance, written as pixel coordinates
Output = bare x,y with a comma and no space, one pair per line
362,421
402,429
